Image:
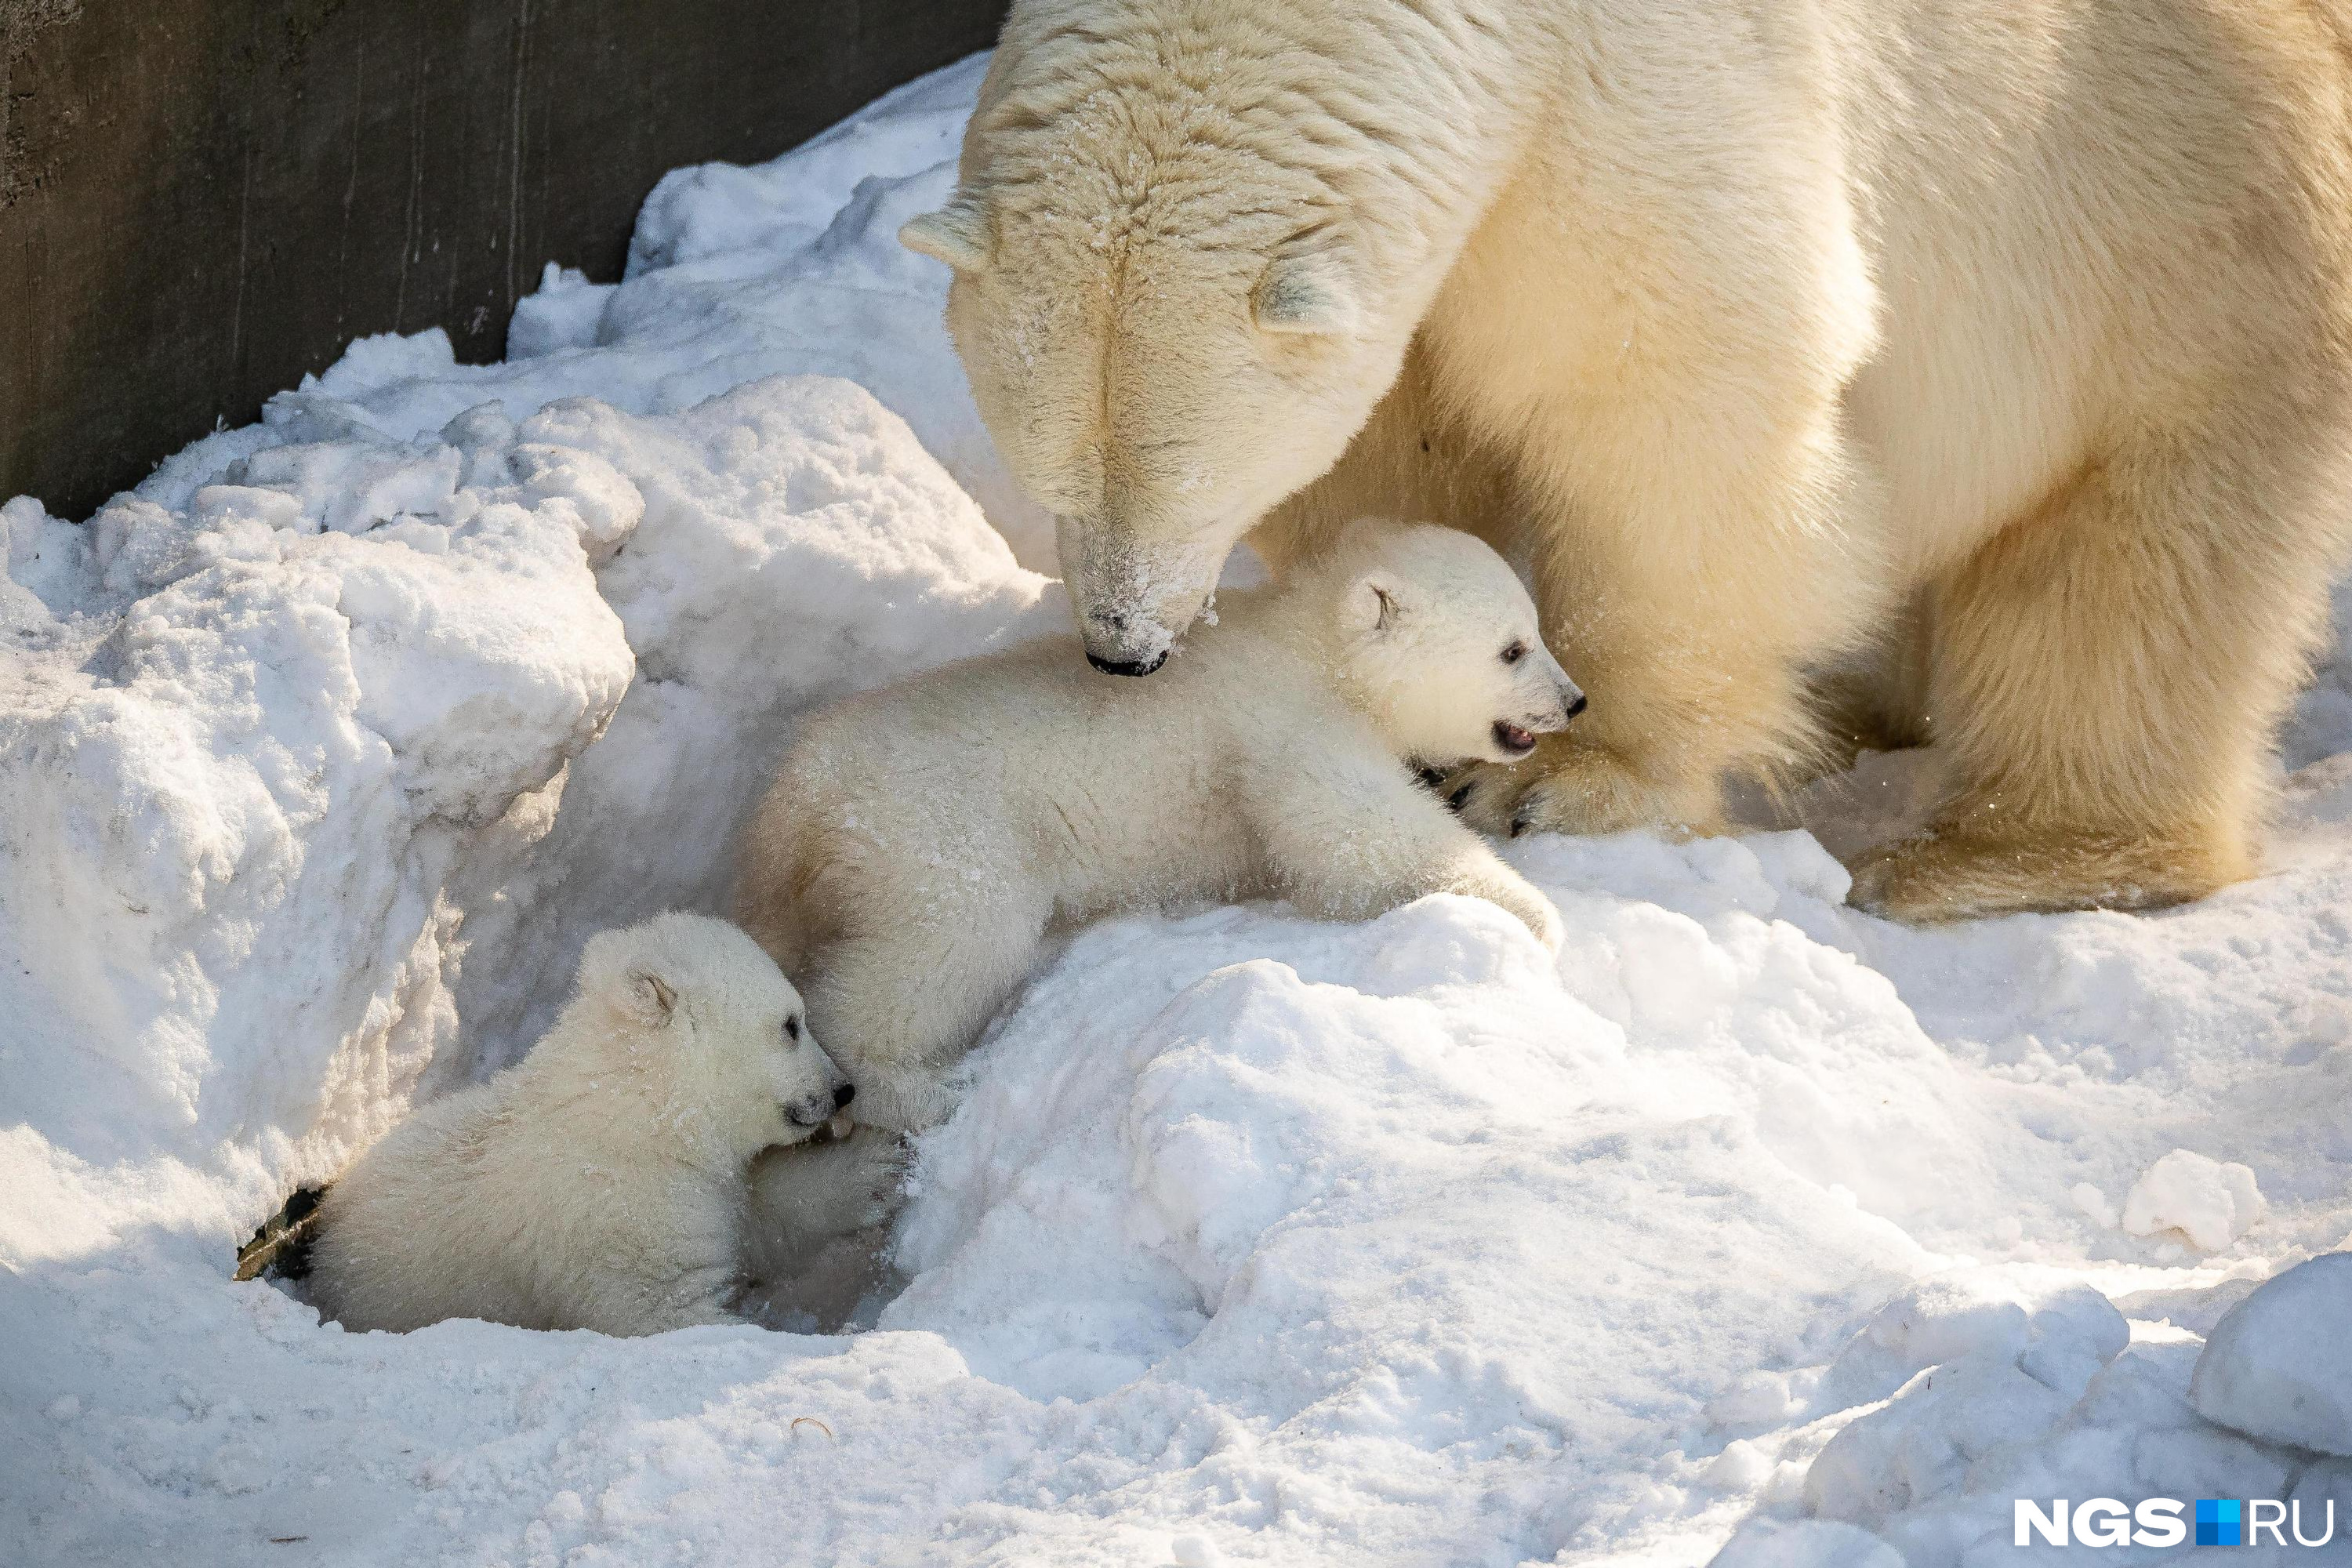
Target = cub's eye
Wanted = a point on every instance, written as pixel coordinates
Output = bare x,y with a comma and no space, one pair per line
793,1027
1515,652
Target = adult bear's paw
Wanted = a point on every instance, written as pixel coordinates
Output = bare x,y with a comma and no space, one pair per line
1953,873
1572,786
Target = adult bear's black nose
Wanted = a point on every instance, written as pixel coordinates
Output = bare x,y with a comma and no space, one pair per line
1577,706
844,1095
1127,665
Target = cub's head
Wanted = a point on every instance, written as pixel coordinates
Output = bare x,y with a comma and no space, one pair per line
692,1011
1437,638
1171,309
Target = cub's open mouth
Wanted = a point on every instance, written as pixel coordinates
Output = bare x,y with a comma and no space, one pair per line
1513,739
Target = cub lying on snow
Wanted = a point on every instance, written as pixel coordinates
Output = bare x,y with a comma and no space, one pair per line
599,1182
919,839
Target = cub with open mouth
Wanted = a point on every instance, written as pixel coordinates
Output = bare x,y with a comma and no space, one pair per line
921,840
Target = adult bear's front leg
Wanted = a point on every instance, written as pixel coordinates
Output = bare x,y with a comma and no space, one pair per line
1689,615
2109,670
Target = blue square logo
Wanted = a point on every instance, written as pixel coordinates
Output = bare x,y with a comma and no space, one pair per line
2219,1522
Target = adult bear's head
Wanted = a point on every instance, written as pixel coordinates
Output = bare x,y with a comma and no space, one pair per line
1172,297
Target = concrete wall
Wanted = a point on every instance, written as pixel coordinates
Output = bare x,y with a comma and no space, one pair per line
200,200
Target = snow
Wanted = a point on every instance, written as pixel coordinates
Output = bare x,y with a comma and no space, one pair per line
1806,1543
2273,1367
2211,1202
1257,1240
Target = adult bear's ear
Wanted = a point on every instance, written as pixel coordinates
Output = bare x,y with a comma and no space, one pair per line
1311,294
958,234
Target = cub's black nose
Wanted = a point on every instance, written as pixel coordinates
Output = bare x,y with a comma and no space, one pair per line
1127,665
1577,706
844,1095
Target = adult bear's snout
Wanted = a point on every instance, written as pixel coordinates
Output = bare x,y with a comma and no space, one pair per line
1126,665
1132,600
1123,644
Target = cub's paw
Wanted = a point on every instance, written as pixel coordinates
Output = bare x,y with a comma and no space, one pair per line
1534,910
871,1177
1571,786
802,1193
901,1099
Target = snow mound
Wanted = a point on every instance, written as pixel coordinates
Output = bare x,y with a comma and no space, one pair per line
2039,1390
279,759
246,760
2279,1365
1749,1219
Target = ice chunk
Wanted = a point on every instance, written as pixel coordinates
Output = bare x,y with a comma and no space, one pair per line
563,314
2211,1202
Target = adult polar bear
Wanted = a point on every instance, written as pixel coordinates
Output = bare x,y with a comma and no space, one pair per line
1990,359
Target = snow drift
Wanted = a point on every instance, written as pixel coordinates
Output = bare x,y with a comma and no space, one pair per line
1257,1240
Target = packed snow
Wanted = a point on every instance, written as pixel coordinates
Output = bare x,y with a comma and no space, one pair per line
1750,1219
2273,1368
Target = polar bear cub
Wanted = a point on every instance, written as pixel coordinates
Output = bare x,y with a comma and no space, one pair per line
919,840
599,1182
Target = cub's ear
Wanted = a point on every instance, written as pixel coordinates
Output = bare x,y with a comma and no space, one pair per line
653,999
625,971
1376,604
1309,294
958,234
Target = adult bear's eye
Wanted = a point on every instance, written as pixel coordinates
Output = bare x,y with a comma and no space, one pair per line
793,1027
1515,652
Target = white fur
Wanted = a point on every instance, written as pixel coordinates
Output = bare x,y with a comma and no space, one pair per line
817,1240
2012,338
599,1182
919,840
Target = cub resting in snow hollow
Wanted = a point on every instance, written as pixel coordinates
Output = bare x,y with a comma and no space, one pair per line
919,839
599,1182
